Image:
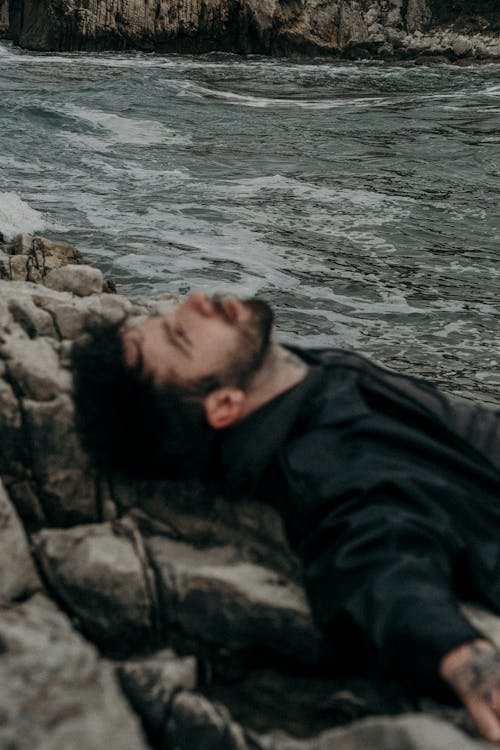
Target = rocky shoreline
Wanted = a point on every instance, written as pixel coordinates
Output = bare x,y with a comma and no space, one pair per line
421,30
153,615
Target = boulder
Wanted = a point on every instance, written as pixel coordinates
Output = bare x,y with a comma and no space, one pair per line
151,685
212,597
409,732
197,722
19,578
102,576
55,691
81,281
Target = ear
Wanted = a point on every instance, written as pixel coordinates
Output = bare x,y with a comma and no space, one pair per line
223,406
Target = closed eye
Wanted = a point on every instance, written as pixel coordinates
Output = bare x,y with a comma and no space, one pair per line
177,337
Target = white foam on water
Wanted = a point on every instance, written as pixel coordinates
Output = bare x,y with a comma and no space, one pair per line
128,130
492,90
17,216
262,102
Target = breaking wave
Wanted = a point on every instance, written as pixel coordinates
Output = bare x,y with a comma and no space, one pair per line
17,216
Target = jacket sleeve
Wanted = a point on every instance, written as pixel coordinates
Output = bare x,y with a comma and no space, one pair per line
381,566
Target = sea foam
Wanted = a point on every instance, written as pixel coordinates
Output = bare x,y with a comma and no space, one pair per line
17,216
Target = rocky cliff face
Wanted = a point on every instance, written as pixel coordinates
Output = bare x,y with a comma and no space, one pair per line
151,615
353,28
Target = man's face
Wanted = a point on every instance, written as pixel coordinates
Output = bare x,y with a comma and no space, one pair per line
221,336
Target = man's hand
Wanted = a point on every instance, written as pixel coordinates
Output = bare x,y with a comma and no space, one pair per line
473,672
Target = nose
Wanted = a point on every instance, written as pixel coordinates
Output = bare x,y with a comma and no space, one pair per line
202,303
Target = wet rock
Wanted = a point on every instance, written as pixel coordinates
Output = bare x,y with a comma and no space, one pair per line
19,578
55,692
80,280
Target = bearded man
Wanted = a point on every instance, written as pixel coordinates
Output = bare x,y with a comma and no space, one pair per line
389,490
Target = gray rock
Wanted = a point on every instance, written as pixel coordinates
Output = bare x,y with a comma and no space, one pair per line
196,723
23,492
213,597
19,578
10,427
80,280
33,365
150,685
33,320
462,46
485,621
55,693
4,266
4,16
99,575
185,510
66,486
406,732
18,266
23,244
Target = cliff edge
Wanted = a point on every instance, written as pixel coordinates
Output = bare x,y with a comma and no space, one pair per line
450,29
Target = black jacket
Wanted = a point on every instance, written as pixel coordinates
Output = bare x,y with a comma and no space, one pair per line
390,493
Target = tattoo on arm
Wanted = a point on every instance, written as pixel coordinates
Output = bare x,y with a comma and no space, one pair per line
480,674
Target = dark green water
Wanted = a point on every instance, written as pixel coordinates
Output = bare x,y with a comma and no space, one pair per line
363,199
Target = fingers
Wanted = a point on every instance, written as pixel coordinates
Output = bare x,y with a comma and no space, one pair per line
485,719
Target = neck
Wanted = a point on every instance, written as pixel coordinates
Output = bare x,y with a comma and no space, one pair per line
281,370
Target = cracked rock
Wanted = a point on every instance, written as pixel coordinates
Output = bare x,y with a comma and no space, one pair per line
80,280
214,597
150,684
55,693
101,580
19,578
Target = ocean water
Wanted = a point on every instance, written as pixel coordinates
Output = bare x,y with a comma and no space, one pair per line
362,199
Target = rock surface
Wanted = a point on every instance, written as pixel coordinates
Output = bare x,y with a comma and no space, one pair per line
55,692
4,17
154,614
455,29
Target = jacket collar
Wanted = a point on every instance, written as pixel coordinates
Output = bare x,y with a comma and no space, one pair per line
246,448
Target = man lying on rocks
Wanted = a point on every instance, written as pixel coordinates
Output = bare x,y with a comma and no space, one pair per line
390,490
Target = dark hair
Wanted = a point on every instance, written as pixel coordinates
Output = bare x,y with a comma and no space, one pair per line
126,422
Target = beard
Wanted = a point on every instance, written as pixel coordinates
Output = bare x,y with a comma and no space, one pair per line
253,343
